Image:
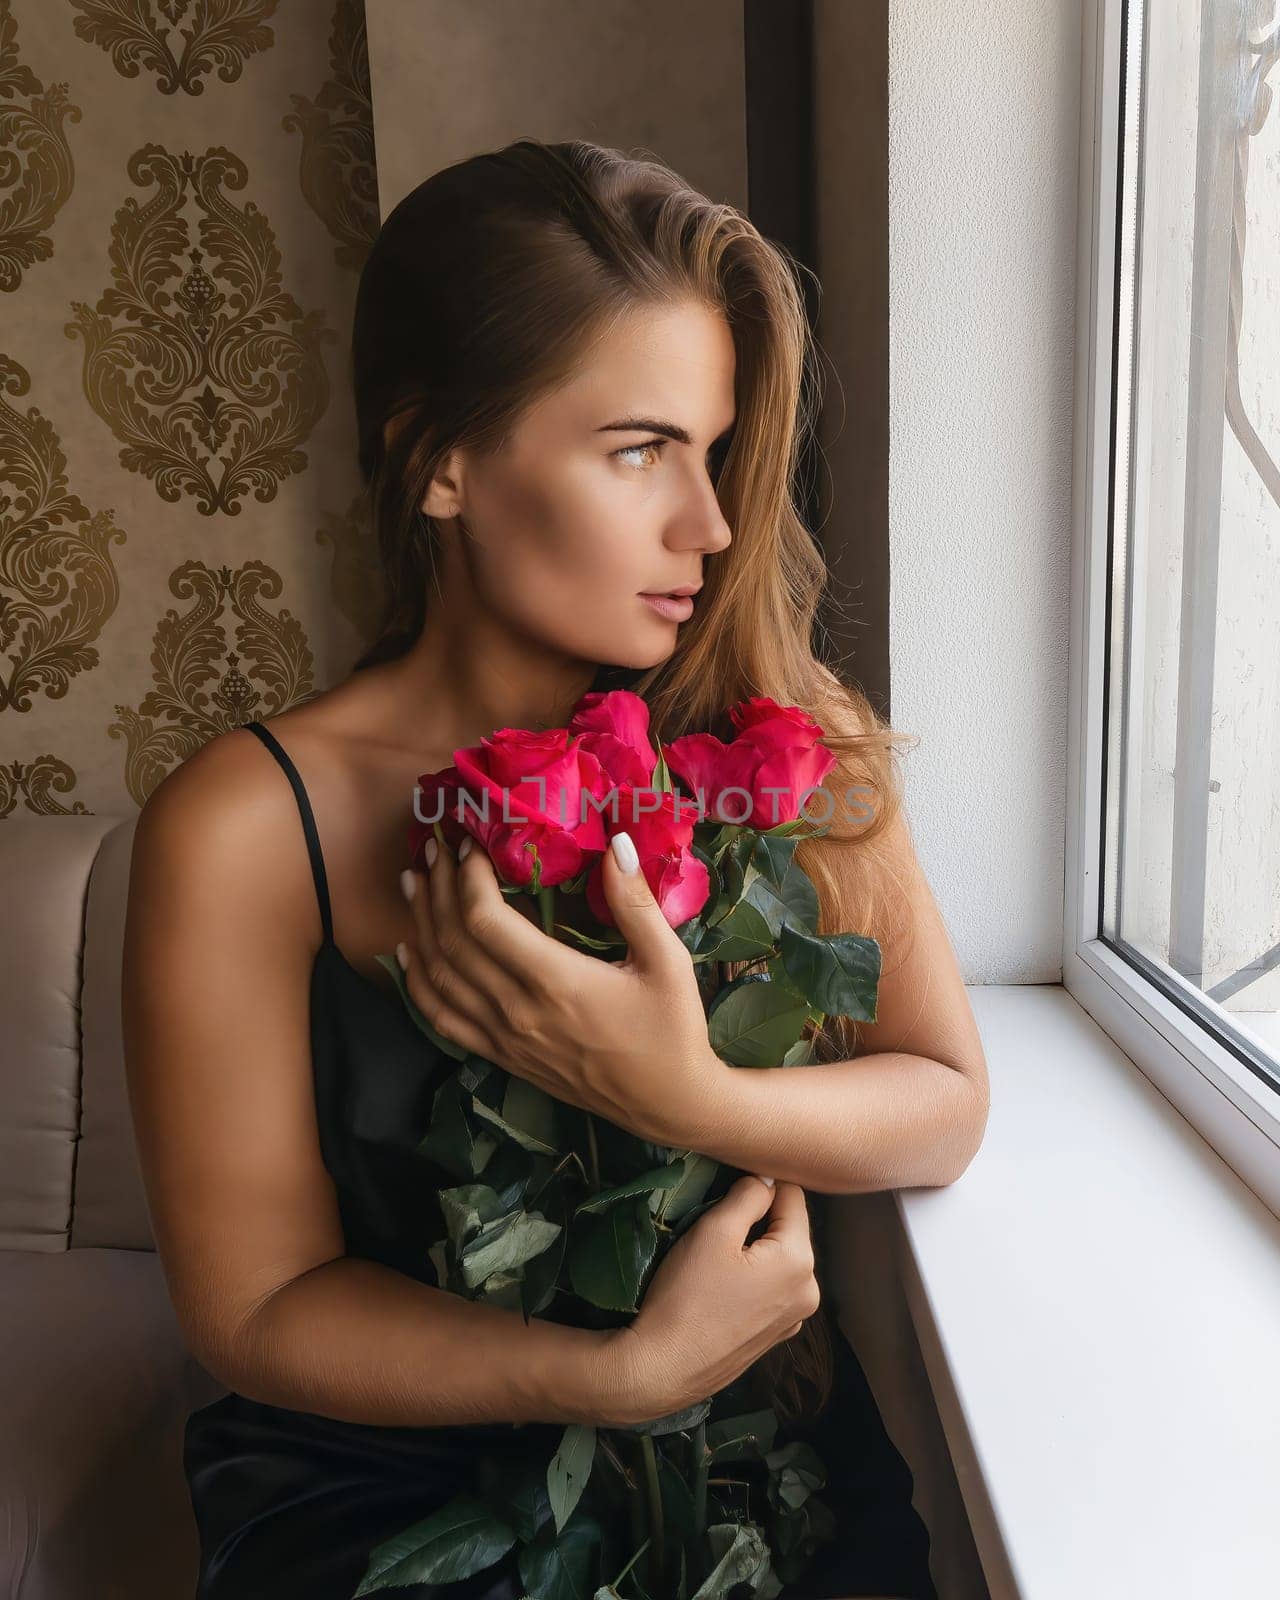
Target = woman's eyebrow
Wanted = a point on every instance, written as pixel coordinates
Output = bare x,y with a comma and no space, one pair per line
672,430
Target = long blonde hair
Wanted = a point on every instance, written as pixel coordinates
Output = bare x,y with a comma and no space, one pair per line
486,287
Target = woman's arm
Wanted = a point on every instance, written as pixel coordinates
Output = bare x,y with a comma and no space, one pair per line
220,935
359,1341
909,1109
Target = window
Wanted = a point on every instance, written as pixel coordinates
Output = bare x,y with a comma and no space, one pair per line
1172,937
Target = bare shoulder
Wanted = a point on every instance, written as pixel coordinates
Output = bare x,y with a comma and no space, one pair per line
233,789
220,850
219,843
230,766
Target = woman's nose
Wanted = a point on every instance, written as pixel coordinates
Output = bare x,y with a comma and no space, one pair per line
703,526
721,533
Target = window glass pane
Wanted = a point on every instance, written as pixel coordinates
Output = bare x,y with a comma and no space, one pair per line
1191,863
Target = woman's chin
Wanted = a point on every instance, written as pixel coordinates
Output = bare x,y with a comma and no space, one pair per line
636,654
652,655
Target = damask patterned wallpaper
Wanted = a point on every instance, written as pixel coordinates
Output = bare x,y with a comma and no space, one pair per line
187,193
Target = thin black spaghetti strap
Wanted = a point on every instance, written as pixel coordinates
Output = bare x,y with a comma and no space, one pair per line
308,822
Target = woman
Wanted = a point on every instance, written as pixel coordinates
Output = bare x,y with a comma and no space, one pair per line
579,387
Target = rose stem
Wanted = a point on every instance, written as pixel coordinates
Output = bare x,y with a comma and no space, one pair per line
702,1460
546,898
654,1495
629,1565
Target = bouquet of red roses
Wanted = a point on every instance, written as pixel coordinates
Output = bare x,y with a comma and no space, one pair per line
553,1204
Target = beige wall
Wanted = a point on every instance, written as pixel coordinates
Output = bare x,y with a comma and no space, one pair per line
180,547
450,80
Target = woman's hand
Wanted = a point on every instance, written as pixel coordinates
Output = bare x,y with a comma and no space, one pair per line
716,1303
627,1040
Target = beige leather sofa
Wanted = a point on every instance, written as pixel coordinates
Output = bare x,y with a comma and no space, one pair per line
95,1384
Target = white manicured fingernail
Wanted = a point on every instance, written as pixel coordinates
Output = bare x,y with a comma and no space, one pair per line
624,852
407,884
763,1179
402,956
464,849
429,851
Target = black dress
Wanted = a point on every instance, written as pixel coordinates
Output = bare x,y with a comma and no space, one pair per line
289,1504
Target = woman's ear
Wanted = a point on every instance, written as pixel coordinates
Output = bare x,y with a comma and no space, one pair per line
443,498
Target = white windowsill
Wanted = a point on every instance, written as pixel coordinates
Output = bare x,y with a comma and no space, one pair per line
1098,1304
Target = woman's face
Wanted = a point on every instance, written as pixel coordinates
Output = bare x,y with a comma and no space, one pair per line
603,494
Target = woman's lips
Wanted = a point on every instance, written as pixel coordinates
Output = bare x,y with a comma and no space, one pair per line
676,608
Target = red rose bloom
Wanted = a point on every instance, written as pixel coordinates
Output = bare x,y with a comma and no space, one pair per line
517,791
615,728
761,776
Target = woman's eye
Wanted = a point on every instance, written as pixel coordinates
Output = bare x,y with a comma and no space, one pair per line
715,456
649,444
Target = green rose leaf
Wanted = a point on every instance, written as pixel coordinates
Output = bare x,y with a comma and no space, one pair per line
467,1208
772,855
740,935
741,1556
515,1172
735,864
719,837
667,1177
526,1140
801,900
450,1141
757,1024
837,972
505,1244
515,1491
530,1109
610,1252
569,1469
696,1173
460,1538
562,1566
768,902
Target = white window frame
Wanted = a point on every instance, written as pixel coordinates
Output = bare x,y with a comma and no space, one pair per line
1217,1091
